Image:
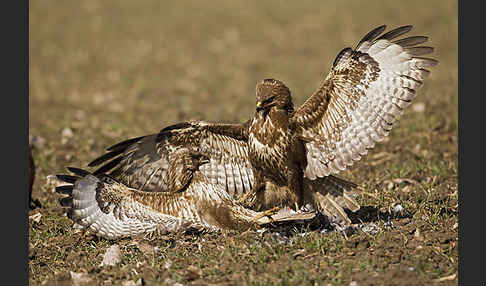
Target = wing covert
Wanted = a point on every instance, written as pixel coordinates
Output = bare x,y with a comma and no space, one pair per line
142,162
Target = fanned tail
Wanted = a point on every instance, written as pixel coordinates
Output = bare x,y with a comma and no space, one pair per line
82,206
108,219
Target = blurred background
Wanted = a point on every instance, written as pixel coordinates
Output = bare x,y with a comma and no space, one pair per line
103,71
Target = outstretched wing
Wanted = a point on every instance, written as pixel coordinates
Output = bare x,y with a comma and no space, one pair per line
142,162
357,103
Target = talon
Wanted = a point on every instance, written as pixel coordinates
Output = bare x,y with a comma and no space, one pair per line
272,211
297,208
268,213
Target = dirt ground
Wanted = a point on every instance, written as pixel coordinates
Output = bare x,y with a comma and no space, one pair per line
104,71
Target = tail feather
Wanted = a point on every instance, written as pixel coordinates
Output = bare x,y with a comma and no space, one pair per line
347,201
342,192
332,209
81,199
128,219
66,202
331,195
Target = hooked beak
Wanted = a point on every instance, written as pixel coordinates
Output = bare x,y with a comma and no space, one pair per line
259,106
205,160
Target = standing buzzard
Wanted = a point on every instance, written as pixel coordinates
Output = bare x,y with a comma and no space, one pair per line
112,210
278,155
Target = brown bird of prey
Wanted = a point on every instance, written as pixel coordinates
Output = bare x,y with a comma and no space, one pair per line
277,156
112,210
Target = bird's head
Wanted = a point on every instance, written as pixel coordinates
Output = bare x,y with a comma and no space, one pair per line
182,166
186,160
198,160
272,93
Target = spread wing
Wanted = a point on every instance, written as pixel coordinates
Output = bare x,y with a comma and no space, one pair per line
357,103
142,162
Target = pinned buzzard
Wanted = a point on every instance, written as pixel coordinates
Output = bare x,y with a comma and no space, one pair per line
290,156
112,210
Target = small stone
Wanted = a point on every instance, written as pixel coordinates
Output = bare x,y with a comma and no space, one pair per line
112,256
67,133
397,209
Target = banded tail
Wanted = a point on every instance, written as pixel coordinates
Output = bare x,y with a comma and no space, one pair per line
87,208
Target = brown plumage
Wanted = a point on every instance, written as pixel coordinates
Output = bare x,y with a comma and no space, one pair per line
280,152
112,210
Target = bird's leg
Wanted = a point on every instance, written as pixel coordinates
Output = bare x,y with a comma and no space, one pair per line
295,183
267,213
256,192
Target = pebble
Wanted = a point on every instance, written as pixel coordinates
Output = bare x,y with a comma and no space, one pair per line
397,209
112,256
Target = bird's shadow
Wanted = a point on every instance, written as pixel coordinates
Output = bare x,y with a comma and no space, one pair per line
365,215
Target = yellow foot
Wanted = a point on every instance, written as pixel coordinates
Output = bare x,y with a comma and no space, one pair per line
297,208
267,213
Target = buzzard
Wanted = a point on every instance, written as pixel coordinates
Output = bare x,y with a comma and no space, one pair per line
291,156
112,210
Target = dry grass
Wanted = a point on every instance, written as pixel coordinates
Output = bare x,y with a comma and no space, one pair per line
110,70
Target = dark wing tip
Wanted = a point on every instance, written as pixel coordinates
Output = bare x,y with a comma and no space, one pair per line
395,32
67,178
79,172
65,190
124,144
411,41
430,62
176,126
104,157
371,35
108,166
340,55
419,51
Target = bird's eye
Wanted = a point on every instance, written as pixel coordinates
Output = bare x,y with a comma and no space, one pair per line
268,100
